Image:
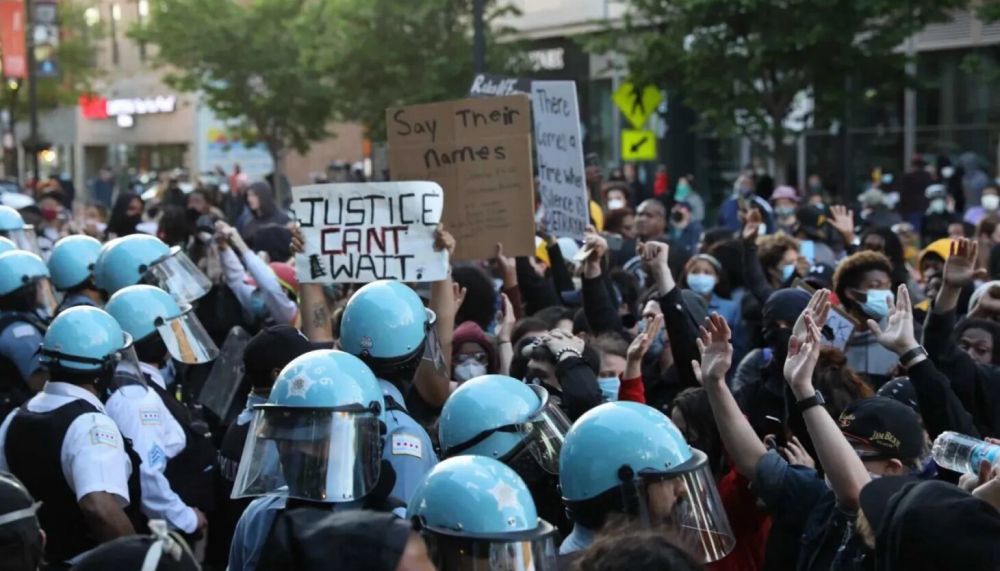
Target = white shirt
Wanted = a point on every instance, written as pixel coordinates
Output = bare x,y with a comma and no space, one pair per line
156,437
93,457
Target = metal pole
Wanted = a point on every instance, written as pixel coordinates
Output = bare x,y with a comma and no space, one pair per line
478,37
32,88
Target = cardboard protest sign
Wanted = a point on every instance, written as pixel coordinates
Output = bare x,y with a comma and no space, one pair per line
561,183
479,151
362,232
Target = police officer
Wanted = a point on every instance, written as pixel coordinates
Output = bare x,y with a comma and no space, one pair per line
178,459
63,446
22,541
139,258
386,326
629,459
71,265
316,442
476,513
21,327
12,226
502,418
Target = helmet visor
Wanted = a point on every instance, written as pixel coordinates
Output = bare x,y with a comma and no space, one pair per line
177,275
186,339
24,239
450,553
311,454
127,371
687,506
46,297
545,433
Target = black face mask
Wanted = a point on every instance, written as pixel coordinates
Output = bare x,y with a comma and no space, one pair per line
310,470
777,339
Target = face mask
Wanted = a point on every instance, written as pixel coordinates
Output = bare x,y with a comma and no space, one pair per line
991,201
937,206
469,370
701,283
683,189
784,211
609,388
258,308
946,172
876,303
615,204
50,214
787,271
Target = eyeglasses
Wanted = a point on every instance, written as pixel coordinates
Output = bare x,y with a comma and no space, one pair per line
481,357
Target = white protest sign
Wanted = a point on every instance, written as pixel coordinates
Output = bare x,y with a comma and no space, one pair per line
558,146
362,232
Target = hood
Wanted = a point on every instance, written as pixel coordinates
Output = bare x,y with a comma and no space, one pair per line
266,197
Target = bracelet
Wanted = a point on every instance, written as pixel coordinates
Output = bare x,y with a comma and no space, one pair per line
912,354
566,350
504,343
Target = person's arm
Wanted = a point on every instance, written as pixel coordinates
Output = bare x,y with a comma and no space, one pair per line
317,323
105,517
842,221
505,349
602,315
845,471
633,387
538,292
681,328
753,273
580,391
939,406
432,380
738,437
560,273
281,309
234,275
508,271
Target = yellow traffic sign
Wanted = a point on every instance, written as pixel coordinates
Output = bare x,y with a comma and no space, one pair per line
635,104
638,145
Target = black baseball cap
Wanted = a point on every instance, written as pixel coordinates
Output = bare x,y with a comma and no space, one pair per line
887,426
271,349
820,276
901,389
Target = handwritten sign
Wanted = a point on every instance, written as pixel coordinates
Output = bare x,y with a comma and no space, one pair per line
559,146
362,232
479,151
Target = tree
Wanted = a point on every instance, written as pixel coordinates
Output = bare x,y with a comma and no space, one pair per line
385,53
742,64
255,62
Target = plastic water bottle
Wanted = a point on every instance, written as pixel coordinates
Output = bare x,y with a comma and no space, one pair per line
961,453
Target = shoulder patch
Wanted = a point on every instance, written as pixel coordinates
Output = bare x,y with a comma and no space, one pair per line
157,458
407,445
149,416
23,330
104,435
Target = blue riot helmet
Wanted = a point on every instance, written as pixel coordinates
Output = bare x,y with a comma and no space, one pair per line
12,226
71,262
502,418
145,310
24,278
475,513
85,339
318,437
626,457
6,245
138,258
387,326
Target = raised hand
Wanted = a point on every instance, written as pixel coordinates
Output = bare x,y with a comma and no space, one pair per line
716,351
597,244
507,267
898,336
507,320
642,342
802,357
443,240
960,268
818,308
796,454
843,220
752,225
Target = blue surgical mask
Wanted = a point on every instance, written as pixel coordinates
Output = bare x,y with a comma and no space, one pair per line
787,271
701,283
609,388
659,343
258,308
876,303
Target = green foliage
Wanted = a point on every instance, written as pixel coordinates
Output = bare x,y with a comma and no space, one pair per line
989,11
385,53
750,58
255,62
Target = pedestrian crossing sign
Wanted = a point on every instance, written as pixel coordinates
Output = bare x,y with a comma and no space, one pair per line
637,104
638,145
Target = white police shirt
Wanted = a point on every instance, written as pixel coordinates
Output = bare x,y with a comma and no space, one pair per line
93,457
156,437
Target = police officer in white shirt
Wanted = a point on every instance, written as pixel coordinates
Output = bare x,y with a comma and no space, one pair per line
174,466
63,446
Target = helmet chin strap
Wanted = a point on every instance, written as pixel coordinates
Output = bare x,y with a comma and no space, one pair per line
164,543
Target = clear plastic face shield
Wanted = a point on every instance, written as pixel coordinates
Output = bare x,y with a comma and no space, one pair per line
186,338
25,239
179,276
47,298
529,551
127,371
318,454
686,505
432,346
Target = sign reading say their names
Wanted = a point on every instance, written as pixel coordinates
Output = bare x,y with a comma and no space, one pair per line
479,151
361,232
559,145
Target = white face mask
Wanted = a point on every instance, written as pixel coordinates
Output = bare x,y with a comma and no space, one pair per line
990,201
615,204
469,370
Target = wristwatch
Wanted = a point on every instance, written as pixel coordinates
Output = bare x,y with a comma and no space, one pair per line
807,403
912,354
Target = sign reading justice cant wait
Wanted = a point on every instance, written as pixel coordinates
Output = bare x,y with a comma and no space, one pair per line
479,151
361,232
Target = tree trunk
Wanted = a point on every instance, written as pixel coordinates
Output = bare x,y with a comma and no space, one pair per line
282,195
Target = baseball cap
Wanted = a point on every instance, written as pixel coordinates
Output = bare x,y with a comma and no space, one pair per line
887,426
271,349
901,389
820,276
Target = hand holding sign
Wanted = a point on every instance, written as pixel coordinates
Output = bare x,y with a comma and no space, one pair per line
361,232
